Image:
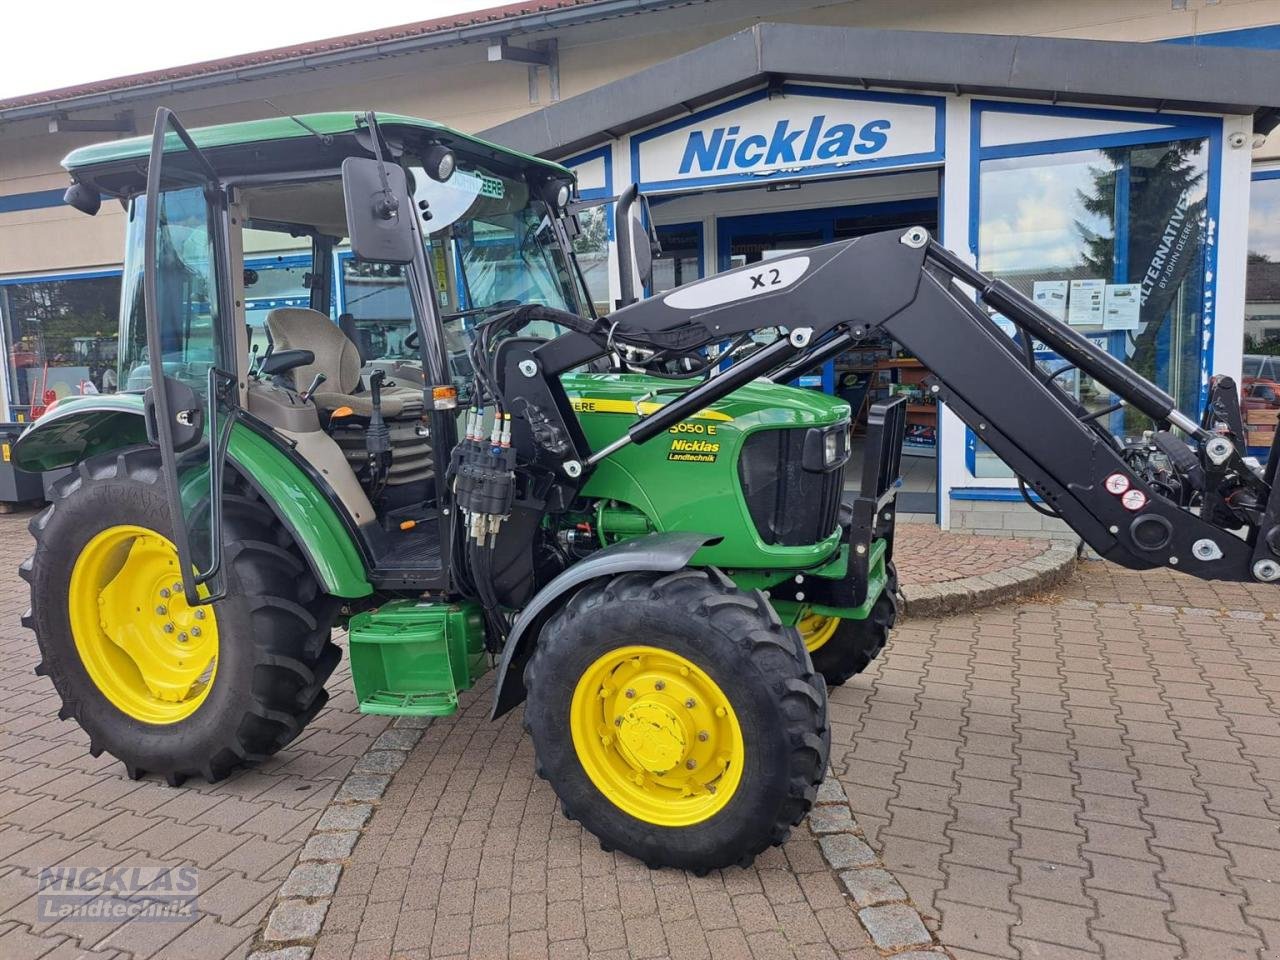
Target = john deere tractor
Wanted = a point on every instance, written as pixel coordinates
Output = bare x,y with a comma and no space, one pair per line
449,453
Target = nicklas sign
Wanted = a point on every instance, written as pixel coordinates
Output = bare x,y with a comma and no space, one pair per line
758,135
721,146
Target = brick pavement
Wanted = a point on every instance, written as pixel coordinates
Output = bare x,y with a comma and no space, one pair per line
468,855
59,806
1089,774
926,554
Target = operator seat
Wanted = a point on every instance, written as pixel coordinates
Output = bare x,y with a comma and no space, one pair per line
337,357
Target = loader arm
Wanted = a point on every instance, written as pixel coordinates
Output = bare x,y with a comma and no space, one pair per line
1189,502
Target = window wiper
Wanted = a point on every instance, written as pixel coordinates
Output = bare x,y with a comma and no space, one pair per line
502,306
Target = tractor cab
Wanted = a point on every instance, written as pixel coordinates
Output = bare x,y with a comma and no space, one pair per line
407,235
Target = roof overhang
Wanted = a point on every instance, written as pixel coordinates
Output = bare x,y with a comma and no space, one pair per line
1201,79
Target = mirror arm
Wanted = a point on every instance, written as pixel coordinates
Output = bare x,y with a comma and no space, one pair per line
388,206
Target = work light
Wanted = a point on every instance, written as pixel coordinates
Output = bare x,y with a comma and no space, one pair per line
439,162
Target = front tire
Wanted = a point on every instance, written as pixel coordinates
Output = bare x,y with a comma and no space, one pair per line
677,718
841,648
171,689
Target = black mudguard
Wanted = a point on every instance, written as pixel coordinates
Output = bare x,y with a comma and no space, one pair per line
663,552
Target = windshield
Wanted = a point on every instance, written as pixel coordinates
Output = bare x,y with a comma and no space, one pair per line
492,245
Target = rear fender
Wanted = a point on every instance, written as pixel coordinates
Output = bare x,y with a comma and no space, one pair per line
660,552
87,427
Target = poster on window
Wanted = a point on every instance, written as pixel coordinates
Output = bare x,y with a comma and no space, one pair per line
1085,308
1122,306
1051,297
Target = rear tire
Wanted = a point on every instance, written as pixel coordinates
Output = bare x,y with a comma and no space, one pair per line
711,638
273,653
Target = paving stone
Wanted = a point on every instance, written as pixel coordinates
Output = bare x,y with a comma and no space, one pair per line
830,818
398,738
330,846
363,786
347,816
283,953
296,920
844,851
872,886
894,926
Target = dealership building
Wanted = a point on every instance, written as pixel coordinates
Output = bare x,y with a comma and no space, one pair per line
1114,160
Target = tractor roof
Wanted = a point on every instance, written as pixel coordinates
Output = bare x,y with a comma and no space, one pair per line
118,166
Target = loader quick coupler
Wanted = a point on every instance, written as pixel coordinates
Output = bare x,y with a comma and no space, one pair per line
483,474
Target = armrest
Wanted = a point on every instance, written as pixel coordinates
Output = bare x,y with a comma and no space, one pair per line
282,361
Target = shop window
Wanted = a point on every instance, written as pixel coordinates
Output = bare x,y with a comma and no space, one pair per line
591,250
1260,382
681,259
1111,240
62,339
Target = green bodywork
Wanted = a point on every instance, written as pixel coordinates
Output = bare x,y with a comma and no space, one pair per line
82,427
639,490
410,658
697,495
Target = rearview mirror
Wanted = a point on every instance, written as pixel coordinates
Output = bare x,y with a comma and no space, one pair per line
637,245
379,217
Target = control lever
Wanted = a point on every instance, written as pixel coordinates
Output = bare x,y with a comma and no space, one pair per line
377,438
318,379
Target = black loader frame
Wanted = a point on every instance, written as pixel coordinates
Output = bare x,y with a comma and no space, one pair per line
1133,503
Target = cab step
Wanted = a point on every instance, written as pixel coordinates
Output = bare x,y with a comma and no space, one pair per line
410,658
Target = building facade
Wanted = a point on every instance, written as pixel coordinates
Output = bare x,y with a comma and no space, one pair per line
1129,186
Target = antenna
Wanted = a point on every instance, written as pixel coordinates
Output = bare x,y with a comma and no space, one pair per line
322,137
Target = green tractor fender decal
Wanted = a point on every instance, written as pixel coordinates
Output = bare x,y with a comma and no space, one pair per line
665,552
87,427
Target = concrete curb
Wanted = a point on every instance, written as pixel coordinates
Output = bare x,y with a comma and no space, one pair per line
880,904
293,924
968,593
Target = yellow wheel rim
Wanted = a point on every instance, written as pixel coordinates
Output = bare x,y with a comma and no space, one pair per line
816,630
657,736
146,649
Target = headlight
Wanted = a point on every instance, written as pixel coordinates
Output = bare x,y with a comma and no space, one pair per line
826,448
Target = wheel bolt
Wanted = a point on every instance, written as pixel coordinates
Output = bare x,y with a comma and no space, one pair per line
195,631
704,736
617,721
690,763
630,693
660,685
690,703
199,613
168,628
164,592
177,587
182,638
161,610
721,712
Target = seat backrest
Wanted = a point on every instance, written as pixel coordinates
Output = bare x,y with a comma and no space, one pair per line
298,328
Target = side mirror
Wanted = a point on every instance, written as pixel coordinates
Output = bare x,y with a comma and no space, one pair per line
637,245
379,226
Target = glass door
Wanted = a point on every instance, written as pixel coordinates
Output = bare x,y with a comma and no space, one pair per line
192,401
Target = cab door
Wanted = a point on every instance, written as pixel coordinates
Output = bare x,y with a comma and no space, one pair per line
192,400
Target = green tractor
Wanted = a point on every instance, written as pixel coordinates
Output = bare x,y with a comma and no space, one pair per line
450,454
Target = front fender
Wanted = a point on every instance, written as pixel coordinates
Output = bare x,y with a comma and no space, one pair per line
85,427
661,552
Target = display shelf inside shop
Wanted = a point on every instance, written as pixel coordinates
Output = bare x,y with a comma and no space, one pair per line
908,376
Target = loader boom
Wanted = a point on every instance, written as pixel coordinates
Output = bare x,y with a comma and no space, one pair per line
1189,502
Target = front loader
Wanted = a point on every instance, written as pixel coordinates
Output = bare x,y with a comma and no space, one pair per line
451,455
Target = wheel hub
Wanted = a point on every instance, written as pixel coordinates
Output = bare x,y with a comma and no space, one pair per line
816,630
147,650
657,735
